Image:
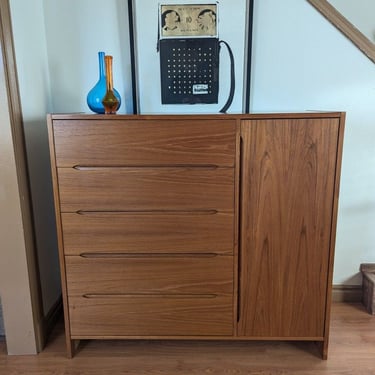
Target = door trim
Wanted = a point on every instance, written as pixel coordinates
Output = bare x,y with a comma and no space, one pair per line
32,285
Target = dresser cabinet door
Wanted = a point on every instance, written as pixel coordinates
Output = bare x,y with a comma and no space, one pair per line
288,175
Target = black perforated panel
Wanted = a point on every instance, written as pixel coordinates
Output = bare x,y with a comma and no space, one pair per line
189,70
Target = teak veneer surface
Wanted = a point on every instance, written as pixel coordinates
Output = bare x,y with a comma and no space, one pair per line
287,196
204,231
164,274
146,189
151,315
200,226
145,142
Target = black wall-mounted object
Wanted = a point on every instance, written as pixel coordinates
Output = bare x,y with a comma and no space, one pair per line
189,70
248,57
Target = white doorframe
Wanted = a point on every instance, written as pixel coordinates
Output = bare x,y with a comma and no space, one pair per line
19,281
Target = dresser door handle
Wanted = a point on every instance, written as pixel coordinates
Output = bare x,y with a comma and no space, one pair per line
148,212
149,295
148,255
149,166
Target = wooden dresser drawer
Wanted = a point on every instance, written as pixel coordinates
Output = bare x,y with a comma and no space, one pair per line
162,274
144,142
148,232
145,315
122,189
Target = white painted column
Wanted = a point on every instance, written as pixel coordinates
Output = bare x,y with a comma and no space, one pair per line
14,276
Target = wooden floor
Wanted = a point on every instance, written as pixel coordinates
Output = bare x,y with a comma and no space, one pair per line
351,352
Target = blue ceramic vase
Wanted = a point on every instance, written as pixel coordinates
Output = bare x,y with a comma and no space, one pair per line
97,93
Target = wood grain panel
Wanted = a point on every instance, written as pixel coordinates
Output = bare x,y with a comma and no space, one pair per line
288,181
119,189
151,315
141,142
148,232
163,274
168,189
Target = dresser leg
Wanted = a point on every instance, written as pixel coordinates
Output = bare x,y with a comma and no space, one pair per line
71,347
323,348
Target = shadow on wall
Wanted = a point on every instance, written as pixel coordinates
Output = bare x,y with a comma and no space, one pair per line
2,331
43,210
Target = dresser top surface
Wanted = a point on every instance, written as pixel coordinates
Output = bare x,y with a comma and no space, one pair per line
239,116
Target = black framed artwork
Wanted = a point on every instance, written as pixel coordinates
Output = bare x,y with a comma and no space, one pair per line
191,56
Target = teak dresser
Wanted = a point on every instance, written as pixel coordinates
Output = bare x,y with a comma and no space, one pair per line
196,226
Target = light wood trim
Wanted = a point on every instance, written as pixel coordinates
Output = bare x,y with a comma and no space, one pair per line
345,26
55,183
335,202
236,234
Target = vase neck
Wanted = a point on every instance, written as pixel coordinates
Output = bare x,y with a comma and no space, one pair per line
101,65
108,71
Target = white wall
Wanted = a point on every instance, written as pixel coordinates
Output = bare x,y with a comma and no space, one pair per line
76,31
301,62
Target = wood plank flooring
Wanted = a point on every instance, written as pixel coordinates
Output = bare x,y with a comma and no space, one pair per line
351,352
